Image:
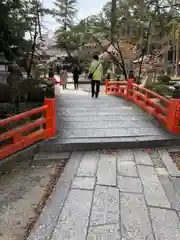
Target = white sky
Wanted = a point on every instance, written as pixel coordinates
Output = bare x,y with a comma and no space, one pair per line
85,8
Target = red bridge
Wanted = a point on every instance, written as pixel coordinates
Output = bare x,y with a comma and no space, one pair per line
75,121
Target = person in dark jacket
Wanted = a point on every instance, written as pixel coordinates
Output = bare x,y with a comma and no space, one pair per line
51,72
131,76
76,73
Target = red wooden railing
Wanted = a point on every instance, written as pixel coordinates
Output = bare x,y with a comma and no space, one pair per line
20,137
167,111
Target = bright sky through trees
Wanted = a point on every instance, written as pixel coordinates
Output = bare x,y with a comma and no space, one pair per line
85,8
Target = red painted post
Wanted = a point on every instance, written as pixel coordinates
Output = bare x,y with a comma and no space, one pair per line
107,84
50,116
129,89
173,116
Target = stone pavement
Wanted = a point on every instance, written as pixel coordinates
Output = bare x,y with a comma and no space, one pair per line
84,123
82,78
120,195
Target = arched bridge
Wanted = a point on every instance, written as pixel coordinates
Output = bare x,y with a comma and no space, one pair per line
119,118
123,116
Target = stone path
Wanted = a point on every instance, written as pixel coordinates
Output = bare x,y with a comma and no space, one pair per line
81,117
122,195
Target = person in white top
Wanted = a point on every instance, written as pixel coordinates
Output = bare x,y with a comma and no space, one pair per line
64,77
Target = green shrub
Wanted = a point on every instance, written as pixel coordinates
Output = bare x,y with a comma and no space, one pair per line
162,90
138,80
5,110
49,88
163,79
47,82
36,94
5,93
50,92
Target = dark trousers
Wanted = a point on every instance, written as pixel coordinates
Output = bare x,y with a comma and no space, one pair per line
64,86
76,83
93,90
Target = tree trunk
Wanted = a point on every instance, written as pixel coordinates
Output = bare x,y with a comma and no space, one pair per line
144,48
113,19
165,61
177,55
113,68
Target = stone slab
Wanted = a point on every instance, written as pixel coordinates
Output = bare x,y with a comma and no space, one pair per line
82,108
100,113
163,140
156,159
83,182
157,162
105,232
134,218
129,184
171,166
127,169
88,165
166,224
125,155
176,183
105,208
143,158
153,153
161,171
94,144
58,141
107,124
95,118
100,133
44,156
171,193
106,173
153,190
73,221
174,149
46,223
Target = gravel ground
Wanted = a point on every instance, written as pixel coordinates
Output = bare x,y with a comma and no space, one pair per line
23,193
176,158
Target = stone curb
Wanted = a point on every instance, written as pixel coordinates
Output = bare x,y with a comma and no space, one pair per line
170,165
48,219
44,157
106,143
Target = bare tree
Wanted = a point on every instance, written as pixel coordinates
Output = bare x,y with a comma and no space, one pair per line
37,30
113,19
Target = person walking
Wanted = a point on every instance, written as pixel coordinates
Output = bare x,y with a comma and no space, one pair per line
64,77
51,72
131,76
95,74
76,73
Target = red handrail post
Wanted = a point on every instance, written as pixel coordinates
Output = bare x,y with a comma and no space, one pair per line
107,85
129,90
173,116
50,117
